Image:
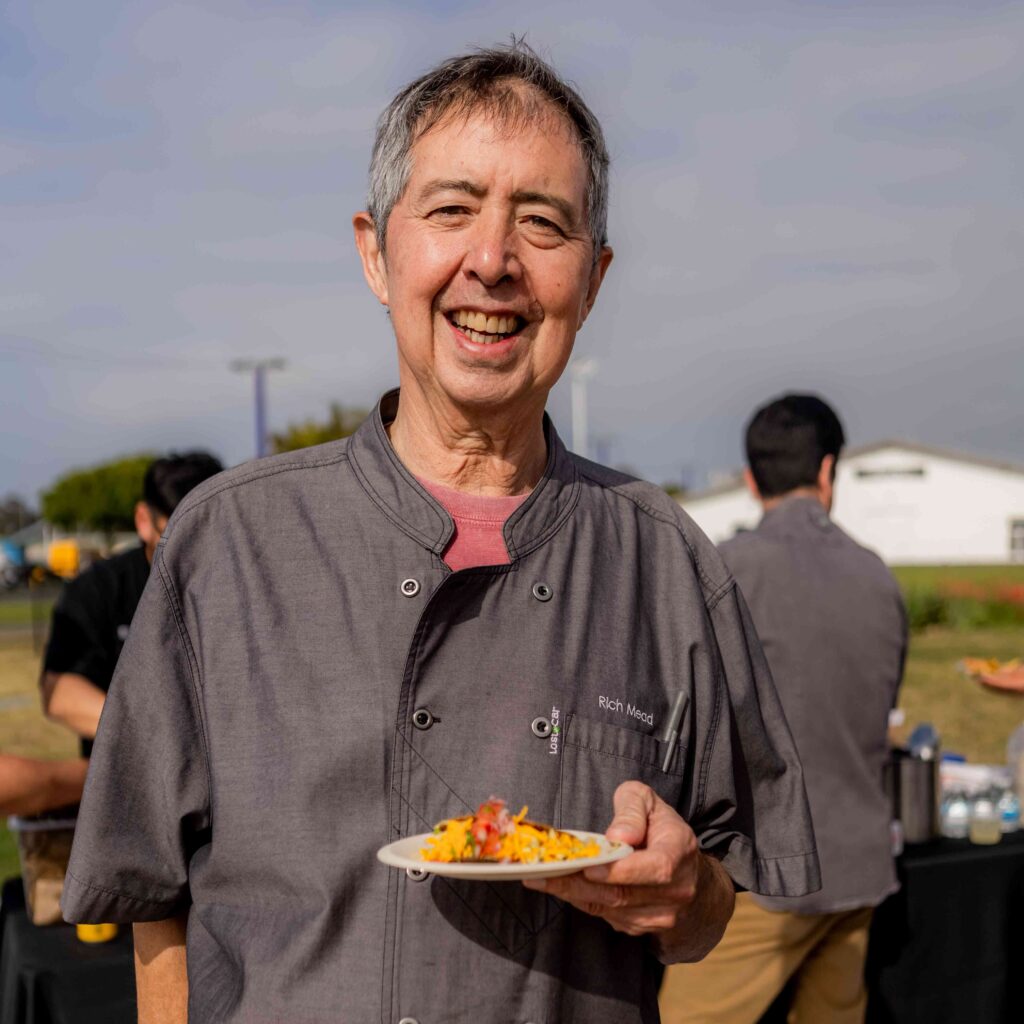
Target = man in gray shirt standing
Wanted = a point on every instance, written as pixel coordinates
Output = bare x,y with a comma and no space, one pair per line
832,623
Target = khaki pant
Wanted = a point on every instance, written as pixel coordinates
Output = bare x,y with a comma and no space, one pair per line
761,951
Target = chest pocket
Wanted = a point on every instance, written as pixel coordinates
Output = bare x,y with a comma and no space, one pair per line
598,756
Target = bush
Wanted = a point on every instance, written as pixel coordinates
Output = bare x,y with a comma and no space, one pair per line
965,605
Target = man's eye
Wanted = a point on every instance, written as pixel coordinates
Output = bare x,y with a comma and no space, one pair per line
450,211
536,221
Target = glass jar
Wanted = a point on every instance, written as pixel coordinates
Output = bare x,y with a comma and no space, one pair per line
985,829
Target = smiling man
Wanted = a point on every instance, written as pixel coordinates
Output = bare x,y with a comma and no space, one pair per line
346,645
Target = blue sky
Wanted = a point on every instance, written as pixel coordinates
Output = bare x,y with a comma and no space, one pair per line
820,196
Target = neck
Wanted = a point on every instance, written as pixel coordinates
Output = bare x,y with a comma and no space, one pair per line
799,492
490,452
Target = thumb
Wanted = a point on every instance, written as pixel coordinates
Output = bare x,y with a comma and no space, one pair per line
634,803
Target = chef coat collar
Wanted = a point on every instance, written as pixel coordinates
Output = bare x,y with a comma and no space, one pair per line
409,506
797,510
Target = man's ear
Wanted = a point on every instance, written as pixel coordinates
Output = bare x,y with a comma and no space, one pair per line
827,480
597,273
748,479
370,253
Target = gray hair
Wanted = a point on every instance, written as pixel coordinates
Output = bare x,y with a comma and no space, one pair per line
490,79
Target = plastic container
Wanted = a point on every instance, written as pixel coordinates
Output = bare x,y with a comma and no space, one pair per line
44,846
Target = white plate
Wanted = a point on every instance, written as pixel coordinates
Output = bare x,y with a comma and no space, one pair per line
405,854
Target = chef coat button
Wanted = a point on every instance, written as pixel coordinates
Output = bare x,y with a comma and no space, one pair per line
410,587
541,727
408,1020
542,592
415,874
422,718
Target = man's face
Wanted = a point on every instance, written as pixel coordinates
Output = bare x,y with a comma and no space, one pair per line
149,525
489,270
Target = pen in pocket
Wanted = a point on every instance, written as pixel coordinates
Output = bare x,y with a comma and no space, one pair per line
672,730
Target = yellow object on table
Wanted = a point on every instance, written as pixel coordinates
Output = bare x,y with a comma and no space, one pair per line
96,932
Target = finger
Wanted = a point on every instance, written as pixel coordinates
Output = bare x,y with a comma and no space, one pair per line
579,891
670,851
643,920
634,803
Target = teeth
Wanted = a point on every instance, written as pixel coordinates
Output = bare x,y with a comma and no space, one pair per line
480,339
481,323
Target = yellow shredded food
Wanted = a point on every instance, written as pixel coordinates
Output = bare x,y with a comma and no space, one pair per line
494,835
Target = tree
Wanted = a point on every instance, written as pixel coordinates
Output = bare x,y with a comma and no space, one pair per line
102,497
340,422
14,514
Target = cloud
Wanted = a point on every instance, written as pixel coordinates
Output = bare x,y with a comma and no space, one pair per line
821,195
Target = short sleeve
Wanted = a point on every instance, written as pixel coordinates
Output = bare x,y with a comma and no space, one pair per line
76,640
752,809
145,810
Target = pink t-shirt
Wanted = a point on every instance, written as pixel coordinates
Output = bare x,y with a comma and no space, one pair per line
478,523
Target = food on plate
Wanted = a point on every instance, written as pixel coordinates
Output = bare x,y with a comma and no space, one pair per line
987,666
495,835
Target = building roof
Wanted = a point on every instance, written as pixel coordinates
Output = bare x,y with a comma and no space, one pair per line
734,481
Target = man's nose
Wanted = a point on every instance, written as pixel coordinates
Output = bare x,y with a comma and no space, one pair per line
492,256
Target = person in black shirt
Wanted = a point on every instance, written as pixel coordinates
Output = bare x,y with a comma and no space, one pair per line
93,614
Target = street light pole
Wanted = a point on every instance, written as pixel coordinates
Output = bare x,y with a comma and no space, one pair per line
580,372
258,368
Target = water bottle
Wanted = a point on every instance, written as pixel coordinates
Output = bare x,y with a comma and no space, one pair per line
956,815
1009,811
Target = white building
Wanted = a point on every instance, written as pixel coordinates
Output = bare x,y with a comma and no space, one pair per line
911,503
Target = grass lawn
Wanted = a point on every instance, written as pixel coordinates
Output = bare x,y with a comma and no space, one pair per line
972,720
929,576
23,729
22,612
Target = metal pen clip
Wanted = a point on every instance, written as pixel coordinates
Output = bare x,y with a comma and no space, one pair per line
672,730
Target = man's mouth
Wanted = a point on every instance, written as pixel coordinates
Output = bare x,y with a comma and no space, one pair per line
485,329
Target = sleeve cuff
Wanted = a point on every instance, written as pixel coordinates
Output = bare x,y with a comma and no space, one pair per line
796,875
84,903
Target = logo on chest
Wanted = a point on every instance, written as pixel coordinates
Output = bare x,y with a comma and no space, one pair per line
616,705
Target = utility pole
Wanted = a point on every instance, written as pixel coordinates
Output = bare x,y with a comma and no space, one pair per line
258,368
580,372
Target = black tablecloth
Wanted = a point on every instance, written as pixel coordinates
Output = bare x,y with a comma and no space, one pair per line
47,976
949,947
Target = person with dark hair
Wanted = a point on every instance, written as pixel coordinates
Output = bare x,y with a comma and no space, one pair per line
358,640
790,442
94,611
831,619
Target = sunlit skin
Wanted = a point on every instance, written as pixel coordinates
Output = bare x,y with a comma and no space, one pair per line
495,223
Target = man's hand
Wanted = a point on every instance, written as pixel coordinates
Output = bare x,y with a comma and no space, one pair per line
666,888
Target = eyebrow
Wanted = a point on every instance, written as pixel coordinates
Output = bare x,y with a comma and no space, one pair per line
471,188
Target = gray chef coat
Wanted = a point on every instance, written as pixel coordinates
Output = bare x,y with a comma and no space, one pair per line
306,680
831,619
